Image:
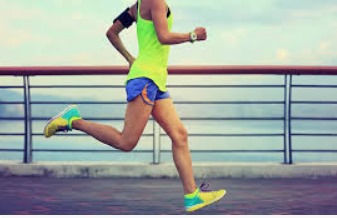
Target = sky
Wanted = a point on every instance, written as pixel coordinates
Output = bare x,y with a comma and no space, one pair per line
241,32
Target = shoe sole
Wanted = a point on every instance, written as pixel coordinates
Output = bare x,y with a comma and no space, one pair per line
57,116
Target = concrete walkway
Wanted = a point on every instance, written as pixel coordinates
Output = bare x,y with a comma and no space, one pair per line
51,196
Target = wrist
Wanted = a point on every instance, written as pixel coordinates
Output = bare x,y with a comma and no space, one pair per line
193,37
130,59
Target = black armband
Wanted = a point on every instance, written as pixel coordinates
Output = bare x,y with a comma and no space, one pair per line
125,18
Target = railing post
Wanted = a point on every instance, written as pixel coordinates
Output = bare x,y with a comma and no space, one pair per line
156,143
290,119
28,156
287,119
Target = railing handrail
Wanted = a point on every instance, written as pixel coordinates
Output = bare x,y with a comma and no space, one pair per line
173,70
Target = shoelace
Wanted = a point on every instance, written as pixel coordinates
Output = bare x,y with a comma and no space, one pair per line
204,187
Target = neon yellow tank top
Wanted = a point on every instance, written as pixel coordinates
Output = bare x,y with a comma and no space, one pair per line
152,59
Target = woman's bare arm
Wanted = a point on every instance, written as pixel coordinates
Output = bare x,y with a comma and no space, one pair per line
113,36
158,14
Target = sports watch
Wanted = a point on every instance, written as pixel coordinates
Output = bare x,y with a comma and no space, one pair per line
193,37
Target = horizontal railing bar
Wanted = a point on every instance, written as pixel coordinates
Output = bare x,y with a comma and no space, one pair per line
315,151
176,102
314,102
314,86
87,118
230,151
12,134
226,86
236,135
11,150
315,118
191,135
229,102
88,151
233,135
231,118
11,87
12,118
77,86
150,135
79,135
315,134
62,71
169,86
11,102
174,70
78,102
182,118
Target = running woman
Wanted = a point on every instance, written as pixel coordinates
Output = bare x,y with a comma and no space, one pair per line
146,94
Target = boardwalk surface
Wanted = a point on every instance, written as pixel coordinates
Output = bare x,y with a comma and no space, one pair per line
21,196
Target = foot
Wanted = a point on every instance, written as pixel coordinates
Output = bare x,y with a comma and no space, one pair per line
63,121
202,198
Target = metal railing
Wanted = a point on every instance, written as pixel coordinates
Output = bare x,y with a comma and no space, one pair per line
285,104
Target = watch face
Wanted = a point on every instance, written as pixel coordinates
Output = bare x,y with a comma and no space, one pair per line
194,36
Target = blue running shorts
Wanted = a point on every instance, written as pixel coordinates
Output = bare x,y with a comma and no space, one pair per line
147,89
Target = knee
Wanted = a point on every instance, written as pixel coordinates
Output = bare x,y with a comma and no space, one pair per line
180,137
129,145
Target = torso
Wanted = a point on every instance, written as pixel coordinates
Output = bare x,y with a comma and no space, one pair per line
145,10
153,56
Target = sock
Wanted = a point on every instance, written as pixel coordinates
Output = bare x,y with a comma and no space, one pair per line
71,121
192,195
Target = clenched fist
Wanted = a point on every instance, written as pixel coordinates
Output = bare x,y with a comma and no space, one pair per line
201,33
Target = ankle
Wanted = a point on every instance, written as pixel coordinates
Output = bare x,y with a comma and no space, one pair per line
192,194
76,124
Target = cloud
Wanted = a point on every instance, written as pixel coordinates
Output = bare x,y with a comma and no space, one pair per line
240,32
251,12
15,24
305,4
326,51
282,54
233,36
16,38
12,10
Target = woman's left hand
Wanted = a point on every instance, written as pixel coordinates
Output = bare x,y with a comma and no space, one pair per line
201,33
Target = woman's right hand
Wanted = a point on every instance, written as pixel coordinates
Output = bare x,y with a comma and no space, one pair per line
201,33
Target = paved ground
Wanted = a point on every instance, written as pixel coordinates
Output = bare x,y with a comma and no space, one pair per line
20,196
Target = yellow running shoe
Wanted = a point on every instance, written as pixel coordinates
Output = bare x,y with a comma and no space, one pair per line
62,122
202,198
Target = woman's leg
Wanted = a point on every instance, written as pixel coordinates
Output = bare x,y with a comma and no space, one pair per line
165,114
136,117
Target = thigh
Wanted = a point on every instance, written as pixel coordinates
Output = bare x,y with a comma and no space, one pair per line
136,118
167,117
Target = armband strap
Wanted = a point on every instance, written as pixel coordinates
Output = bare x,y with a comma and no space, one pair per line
168,11
125,18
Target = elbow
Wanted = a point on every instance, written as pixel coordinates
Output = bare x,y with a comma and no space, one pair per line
164,40
111,34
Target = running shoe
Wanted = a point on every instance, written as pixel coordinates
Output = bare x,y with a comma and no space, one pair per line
202,198
62,122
